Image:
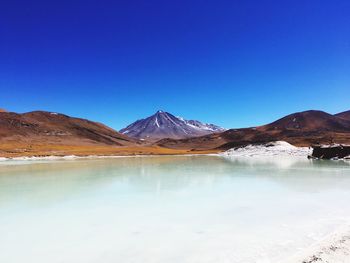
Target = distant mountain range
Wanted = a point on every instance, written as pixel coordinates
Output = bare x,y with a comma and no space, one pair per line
45,133
302,129
165,125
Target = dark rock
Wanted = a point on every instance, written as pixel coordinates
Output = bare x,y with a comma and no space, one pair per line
330,152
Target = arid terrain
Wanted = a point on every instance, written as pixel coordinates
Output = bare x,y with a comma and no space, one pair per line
41,133
344,115
300,129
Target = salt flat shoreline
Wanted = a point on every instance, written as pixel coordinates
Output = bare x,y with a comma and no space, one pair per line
87,157
334,248
280,149
275,148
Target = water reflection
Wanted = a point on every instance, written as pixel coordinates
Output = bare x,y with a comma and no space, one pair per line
61,180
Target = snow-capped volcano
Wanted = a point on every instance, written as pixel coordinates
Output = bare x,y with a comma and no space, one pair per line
165,125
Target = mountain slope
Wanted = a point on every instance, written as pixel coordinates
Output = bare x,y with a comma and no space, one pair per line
302,128
309,121
42,127
165,125
343,115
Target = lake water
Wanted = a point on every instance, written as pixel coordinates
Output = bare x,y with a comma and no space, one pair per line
196,209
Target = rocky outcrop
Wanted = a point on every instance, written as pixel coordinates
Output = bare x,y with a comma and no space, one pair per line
331,152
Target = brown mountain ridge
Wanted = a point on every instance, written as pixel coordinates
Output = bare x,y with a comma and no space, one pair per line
41,133
53,128
344,115
301,129
48,133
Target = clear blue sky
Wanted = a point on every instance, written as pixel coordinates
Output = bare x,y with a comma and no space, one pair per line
234,63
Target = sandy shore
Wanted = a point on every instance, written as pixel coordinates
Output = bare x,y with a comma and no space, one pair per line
14,150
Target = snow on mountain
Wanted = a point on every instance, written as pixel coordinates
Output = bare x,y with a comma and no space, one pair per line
165,125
